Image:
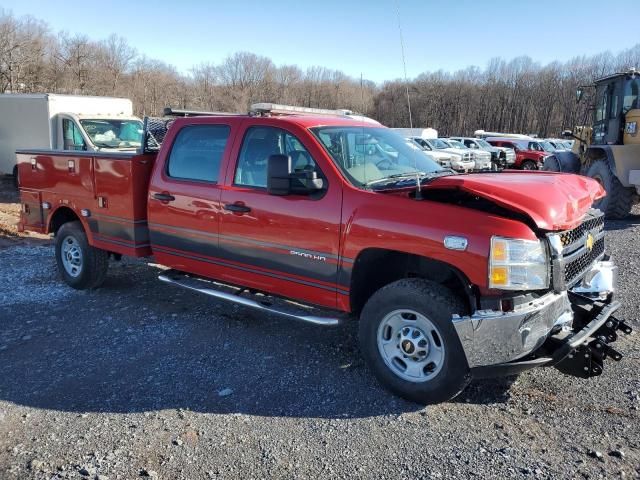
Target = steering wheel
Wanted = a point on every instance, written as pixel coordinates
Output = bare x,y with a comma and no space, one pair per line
385,161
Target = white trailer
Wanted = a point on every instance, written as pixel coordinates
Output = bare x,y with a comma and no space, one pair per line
65,122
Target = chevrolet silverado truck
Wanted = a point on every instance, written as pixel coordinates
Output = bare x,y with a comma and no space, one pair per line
320,218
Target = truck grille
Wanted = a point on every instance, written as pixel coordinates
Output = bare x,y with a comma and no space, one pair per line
594,225
578,266
575,251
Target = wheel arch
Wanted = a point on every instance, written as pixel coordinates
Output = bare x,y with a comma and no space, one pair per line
376,267
59,217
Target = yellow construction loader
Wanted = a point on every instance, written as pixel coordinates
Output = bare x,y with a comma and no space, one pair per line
609,149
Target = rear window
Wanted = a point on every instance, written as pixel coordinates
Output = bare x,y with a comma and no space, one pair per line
197,151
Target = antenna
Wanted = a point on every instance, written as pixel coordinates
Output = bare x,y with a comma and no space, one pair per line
404,65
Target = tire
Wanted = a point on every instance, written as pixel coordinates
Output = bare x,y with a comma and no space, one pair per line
433,382
528,165
551,164
80,265
619,200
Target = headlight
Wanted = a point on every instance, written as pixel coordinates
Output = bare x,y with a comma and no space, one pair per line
516,264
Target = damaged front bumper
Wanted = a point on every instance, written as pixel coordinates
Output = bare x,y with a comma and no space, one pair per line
571,330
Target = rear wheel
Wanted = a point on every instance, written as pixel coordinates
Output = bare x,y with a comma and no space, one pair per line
408,340
619,200
80,265
529,165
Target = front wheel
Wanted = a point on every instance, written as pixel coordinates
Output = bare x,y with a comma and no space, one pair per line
619,200
80,265
407,338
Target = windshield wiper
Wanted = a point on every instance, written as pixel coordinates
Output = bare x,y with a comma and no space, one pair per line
394,176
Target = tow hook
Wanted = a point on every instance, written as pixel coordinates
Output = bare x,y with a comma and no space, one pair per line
587,360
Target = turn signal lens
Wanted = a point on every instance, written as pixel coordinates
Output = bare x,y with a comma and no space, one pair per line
499,276
499,250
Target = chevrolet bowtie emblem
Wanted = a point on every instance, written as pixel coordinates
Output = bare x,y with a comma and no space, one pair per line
589,242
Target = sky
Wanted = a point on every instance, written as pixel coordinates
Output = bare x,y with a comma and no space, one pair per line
354,36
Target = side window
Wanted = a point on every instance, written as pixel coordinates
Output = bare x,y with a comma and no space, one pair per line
258,145
72,137
197,151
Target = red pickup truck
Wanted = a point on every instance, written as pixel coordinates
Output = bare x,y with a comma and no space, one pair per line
323,217
529,153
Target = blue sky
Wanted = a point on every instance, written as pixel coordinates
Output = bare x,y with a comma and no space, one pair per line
353,36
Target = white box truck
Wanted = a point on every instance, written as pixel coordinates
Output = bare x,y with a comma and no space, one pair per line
65,122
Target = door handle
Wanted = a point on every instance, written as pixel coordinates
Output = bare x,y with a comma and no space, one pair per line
164,197
237,208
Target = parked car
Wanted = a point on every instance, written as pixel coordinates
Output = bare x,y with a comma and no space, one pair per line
530,155
452,277
447,160
442,159
559,144
65,122
500,156
481,158
460,161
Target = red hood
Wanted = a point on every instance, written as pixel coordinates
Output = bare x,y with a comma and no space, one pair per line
554,201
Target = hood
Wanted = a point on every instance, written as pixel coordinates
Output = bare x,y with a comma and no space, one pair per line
554,201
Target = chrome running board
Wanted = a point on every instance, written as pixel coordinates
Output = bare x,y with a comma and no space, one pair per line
234,294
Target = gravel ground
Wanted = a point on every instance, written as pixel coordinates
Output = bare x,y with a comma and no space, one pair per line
139,379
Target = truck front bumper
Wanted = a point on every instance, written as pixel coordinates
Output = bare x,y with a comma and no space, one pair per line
553,330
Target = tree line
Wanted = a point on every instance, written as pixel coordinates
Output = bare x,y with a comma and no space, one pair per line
516,96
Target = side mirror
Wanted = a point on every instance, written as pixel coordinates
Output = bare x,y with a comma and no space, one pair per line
579,94
279,175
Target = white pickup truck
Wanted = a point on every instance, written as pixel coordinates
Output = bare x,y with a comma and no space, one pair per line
65,122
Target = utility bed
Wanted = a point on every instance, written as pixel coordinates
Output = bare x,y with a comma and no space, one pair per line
110,190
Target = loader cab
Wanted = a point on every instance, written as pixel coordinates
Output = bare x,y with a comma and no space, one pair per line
616,95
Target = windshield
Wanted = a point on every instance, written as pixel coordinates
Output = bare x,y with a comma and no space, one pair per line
439,144
547,147
456,143
484,143
112,133
371,154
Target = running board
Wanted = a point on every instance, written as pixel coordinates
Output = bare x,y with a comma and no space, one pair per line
234,294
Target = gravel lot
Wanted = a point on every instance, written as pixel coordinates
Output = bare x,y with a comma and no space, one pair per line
138,379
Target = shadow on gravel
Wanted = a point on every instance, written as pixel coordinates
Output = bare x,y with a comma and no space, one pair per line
628,222
138,345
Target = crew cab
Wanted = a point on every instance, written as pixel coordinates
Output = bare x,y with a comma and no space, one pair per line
321,218
529,153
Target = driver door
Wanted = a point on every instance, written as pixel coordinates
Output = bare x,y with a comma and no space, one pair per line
280,244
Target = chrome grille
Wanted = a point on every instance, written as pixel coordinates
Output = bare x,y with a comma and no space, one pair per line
579,265
575,251
592,225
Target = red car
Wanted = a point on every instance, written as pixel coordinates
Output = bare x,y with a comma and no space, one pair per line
529,153
321,217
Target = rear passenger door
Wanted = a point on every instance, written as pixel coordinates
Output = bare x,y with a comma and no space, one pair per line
184,195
